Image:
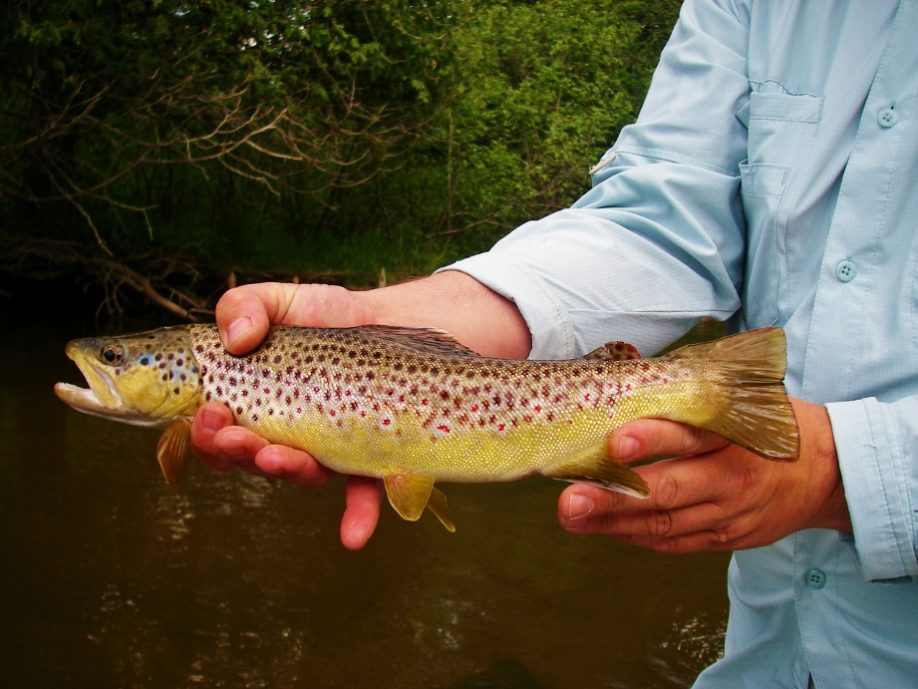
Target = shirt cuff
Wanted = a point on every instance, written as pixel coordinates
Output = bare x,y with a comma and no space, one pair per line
549,324
876,479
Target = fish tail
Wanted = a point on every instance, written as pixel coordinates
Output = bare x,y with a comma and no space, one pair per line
744,391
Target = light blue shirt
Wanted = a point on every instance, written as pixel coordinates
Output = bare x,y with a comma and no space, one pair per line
771,178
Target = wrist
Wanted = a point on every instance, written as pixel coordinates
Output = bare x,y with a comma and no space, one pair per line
818,450
457,303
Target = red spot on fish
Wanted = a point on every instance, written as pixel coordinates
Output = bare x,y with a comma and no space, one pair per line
443,428
474,407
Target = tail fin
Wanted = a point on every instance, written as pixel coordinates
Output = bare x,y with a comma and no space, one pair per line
744,377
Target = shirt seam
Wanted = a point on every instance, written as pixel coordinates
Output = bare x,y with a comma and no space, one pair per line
671,157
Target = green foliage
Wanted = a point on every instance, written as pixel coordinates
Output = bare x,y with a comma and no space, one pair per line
329,136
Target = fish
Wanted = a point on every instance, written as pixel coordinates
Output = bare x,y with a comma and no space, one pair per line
413,406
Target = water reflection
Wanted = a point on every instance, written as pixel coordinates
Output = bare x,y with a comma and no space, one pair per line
113,580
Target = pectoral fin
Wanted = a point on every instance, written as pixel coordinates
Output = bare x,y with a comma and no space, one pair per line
409,494
172,451
595,467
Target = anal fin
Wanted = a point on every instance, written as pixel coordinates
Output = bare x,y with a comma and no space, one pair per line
437,505
595,467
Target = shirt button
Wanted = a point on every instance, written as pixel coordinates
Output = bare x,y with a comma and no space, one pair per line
887,117
815,578
845,270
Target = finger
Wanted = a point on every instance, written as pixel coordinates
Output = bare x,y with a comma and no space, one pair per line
652,525
244,313
296,466
210,419
238,446
647,438
699,527
696,542
361,514
674,484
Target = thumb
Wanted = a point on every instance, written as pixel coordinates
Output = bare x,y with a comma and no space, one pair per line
648,438
244,313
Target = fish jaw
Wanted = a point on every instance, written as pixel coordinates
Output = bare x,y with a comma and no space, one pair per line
86,401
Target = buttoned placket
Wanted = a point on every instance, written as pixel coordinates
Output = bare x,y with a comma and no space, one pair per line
845,286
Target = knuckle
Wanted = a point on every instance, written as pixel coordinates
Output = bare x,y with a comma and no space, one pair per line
665,492
231,300
659,522
744,477
691,439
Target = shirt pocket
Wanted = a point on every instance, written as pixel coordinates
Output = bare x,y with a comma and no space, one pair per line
781,127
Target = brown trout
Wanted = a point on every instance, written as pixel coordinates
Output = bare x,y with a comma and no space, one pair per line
413,406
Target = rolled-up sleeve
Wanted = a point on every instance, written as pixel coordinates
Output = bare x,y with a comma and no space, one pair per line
658,242
876,444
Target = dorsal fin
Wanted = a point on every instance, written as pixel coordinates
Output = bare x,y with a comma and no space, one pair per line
614,351
420,340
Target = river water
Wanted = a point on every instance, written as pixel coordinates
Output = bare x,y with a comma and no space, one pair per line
112,580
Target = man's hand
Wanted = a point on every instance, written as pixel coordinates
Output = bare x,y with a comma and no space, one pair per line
714,495
243,315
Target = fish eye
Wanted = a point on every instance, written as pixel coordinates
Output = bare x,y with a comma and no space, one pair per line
111,354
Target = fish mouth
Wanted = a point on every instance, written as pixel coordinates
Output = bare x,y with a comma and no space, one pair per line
101,397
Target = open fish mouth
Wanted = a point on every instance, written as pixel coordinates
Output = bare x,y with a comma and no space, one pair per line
101,397
83,399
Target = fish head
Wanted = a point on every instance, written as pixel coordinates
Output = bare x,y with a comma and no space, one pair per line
145,379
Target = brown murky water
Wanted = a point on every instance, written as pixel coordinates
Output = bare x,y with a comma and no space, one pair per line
111,580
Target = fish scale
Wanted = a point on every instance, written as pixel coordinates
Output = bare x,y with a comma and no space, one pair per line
413,406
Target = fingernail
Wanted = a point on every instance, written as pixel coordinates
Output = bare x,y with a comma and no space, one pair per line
578,506
627,447
211,421
237,329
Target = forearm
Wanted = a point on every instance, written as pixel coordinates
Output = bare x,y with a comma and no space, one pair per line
457,303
